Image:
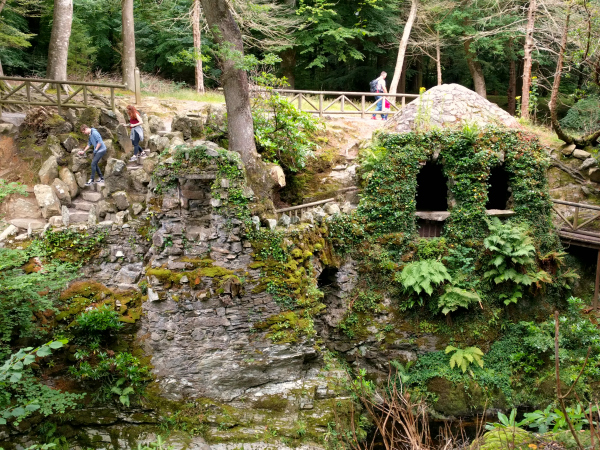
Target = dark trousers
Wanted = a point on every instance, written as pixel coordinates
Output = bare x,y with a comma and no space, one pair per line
135,139
97,157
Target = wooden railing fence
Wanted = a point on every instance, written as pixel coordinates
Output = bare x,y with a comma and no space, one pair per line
348,102
31,92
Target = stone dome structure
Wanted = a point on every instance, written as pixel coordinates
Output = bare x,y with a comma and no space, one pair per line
449,104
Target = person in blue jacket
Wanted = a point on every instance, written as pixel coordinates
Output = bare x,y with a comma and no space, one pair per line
97,144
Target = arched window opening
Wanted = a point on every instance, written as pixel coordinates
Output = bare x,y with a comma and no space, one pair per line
498,193
432,188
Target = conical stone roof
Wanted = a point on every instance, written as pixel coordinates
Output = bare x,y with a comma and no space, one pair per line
449,104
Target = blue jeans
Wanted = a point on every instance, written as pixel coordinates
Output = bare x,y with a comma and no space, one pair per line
379,107
135,139
97,157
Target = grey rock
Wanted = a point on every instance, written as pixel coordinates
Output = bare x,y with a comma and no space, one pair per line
140,179
7,128
272,224
69,144
137,208
581,154
306,217
285,220
123,138
590,162
49,170
47,200
121,217
567,149
17,206
189,126
116,176
62,191
152,296
105,133
91,196
11,230
121,200
149,164
594,174
53,145
110,119
56,221
81,178
158,143
256,222
156,124
65,216
69,179
92,216
79,163
319,214
26,224
332,208
129,274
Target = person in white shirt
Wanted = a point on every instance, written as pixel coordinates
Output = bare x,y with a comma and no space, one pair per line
379,99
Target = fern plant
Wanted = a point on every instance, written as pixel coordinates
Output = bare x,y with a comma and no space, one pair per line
462,358
422,275
455,298
512,258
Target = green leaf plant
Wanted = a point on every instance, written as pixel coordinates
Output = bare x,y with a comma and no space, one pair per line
462,358
455,297
421,276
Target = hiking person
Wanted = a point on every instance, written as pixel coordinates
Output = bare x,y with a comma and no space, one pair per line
378,85
137,132
99,150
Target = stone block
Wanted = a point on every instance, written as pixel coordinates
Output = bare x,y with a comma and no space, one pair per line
105,133
567,149
123,138
79,163
53,145
62,191
25,224
11,230
91,196
137,208
581,154
49,170
332,208
594,174
129,274
17,206
47,200
284,220
81,178
271,223
69,143
56,221
121,200
69,179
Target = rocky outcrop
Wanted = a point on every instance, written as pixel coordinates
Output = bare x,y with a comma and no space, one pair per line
47,200
447,105
49,170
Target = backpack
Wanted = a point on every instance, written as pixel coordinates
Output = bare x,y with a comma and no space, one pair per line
373,85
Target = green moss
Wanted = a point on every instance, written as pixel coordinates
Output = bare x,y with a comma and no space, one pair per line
271,403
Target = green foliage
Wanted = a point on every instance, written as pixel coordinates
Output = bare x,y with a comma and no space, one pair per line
455,297
505,422
27,289
120,374
70,245
420,276
95,325
584,116
159,444
555,418
7,188
463,357
283,134
21,393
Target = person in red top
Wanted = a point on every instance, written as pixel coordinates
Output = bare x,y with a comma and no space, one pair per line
137,132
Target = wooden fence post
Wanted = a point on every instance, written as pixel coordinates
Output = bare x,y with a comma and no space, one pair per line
58,87
138,87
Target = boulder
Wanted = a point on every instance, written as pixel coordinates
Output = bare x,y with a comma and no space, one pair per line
92,216
116,176
106,207
111,120
18,206
65,216
81,178
79,162
581,154
156,124
590,162
277,175
121,217
594,174
90,116
62,191
129,274
121,200
8,232
215,119
26,224
158,143
55,124
137,208
69,179
49,170
54,146
332,208
56,221
284,220
69,143
149,164
105,133
123,138
140,179
8,128
47,200
176,141
189,126
271,223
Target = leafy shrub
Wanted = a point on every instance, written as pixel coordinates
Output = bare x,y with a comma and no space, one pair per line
420,276
10,188
283,134
120,374
95,324
584,116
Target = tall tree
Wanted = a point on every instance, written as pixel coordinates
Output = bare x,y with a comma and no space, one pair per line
234,79
402,47
475,67
128,54
195,16
512,78
527,59
58,51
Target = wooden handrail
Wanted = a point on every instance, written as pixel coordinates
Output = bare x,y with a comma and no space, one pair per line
579,205
346,93
75,83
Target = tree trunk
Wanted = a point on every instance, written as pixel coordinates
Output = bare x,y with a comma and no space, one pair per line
288,64
128,55
402,48
58,52
2,3
197,46
475,69
418,80
527,61
240,127
512,79
438,60
402,85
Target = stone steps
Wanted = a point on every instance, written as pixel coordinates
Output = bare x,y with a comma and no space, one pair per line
82,205
77,216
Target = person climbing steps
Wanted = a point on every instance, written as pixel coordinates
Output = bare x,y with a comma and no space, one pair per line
99,150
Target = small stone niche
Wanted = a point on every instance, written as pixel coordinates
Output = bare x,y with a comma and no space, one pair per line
498,190
432,200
